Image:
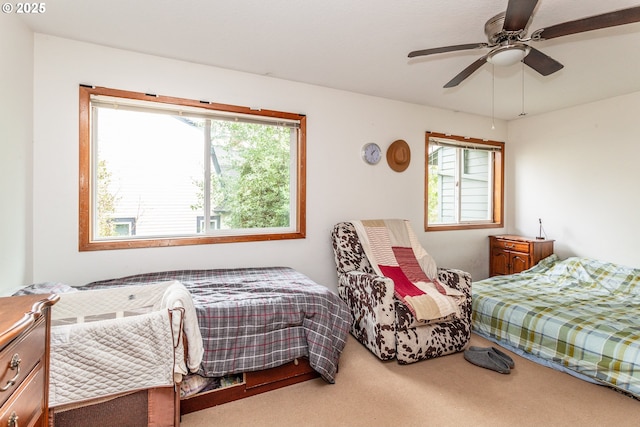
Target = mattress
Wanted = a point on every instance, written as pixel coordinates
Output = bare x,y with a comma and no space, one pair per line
580,314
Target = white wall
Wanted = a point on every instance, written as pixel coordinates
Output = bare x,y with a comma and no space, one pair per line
339,185
577,169
16,139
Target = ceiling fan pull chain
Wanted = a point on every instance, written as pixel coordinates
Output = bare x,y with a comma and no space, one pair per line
493,97
523,113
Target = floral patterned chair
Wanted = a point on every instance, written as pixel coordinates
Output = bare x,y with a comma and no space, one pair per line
383,323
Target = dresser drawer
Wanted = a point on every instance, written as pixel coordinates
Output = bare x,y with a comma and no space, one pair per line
511,245
29,349
26,403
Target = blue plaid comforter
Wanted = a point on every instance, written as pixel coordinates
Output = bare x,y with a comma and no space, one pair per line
580,313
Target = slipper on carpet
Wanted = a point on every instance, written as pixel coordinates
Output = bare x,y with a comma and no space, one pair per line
500,354
487,359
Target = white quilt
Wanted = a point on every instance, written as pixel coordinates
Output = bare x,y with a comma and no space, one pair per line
110,341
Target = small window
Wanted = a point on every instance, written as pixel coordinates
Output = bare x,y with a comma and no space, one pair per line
163,171
123,227
464,183
214,223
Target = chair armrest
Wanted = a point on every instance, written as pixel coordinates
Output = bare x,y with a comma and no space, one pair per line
368,292
460,280
456,279
372,304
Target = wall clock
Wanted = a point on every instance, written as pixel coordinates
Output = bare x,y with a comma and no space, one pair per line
371,153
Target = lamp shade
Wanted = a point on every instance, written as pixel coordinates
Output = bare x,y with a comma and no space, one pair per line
508,55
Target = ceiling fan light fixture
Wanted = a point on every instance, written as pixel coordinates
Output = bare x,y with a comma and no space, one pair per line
508,54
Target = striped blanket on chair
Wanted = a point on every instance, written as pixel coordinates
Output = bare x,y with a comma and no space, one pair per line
395,252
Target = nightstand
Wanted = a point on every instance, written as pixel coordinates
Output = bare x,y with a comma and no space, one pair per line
509,254
24,359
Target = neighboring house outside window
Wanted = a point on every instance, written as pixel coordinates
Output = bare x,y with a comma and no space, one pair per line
124,226
464,183
162,171
214,223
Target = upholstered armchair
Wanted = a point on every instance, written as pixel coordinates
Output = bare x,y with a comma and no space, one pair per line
381,321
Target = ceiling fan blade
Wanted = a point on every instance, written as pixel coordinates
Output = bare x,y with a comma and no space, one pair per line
542,63
447,49
610,19
518,14
466,72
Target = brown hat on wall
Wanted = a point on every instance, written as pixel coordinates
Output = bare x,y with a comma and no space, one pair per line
399,155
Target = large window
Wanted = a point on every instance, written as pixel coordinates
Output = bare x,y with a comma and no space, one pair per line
464,183
163,171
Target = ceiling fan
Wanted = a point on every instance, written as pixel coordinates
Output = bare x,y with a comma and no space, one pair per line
506,33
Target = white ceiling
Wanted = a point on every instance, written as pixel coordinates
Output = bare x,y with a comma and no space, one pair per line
362,46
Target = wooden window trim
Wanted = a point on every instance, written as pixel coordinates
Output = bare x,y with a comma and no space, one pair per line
85,229
498,185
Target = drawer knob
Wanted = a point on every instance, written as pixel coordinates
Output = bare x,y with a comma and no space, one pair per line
15,364
13,420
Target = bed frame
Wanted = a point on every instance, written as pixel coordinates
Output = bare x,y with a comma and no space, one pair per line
160,407
254,383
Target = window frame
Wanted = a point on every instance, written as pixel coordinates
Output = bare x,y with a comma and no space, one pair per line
87,243
497,220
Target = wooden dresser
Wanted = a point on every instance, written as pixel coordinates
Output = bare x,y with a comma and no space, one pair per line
509,254
24,359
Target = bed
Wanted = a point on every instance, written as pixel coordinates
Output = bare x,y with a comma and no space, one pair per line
258,318
578,315
254,320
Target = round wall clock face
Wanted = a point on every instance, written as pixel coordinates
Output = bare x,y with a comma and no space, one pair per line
371,153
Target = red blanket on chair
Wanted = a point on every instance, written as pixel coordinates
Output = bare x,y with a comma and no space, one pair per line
394,252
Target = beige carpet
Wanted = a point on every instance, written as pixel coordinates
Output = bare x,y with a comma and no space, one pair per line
447,391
